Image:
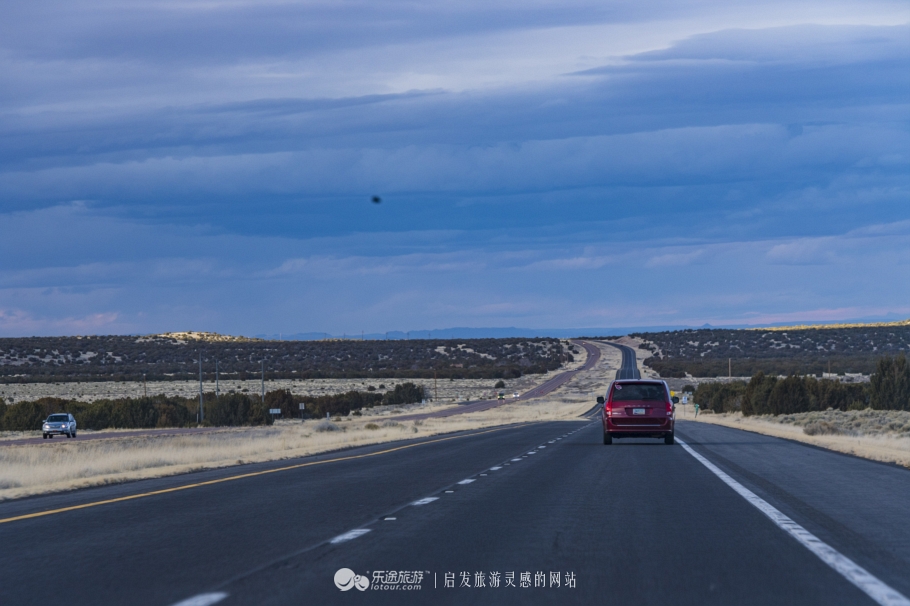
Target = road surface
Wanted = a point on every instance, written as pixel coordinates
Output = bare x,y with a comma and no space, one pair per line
726,517
633,523
629,368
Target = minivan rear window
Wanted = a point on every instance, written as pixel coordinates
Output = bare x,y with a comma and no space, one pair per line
627,392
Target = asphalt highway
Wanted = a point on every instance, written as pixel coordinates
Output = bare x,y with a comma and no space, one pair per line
545,388
629,368
636,522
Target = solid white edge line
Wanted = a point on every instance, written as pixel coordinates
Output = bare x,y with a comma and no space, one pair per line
203,599
850,570
351,534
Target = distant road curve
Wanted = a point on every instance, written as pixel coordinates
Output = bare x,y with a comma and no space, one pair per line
537,392
629,368
541,390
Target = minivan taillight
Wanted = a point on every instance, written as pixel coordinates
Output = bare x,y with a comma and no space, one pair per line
608,407
669,409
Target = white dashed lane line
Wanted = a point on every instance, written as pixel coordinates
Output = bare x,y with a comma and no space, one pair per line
351,534
203,599
427,500
208,599
358,532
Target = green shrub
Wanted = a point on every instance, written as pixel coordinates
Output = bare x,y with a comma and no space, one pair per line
405,393
789,396
755,398
720,397
889,386
24,416
228,410
282,398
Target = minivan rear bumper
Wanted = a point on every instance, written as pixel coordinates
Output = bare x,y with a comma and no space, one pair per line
648,427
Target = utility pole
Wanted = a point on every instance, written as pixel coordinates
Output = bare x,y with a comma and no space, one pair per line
262,362
216,378
435,388
201,409
145,386
730,367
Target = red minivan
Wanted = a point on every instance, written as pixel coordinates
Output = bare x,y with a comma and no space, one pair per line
638,409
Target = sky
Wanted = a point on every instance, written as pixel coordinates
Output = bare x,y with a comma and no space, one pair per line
209,165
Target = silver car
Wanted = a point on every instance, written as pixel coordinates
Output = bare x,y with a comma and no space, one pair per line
60,423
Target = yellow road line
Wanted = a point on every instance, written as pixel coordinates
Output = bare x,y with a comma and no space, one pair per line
237,477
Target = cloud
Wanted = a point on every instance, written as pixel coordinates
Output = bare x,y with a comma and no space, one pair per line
802,252
571,264
674,259
20,323
222,155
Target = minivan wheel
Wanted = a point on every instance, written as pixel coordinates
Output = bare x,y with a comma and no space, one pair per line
608,439
74,433
668,439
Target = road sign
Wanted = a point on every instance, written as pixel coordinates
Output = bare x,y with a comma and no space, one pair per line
302,406
274,411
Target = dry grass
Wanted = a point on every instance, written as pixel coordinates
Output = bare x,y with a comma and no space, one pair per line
44,468
872,434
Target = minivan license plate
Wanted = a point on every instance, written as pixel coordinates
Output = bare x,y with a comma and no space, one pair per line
638,411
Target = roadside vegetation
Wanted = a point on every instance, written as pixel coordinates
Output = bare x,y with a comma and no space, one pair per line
710,352
233,409
168,357
888,389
